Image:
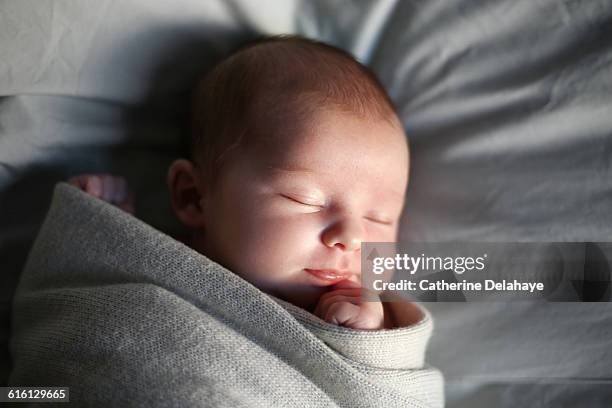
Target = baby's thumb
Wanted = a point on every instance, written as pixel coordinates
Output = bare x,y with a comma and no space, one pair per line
346,284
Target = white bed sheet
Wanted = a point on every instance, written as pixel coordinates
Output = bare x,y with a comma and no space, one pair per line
507,105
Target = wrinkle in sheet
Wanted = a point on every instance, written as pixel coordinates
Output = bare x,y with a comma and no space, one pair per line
538,135
90,46
367,38
51,41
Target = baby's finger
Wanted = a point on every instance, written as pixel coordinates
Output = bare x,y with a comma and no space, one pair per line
324,304
345,284
349,291
93,185
77,181
342,313
345,292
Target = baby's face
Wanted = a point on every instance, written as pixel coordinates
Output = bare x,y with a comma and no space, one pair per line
290,215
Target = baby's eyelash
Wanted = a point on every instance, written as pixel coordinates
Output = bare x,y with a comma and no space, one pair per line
379,221
306,202
300,201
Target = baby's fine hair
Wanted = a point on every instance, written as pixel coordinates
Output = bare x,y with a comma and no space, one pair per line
276,82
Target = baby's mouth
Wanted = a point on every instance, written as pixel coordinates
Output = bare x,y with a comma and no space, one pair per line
325,277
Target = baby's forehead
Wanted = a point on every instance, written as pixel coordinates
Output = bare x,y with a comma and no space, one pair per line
329,144
295,116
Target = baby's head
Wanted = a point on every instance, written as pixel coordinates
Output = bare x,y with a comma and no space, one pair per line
297,158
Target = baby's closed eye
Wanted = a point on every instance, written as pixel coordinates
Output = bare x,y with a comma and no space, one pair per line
317,204
305,200
379,219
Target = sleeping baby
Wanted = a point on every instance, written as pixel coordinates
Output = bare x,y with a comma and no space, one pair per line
297,157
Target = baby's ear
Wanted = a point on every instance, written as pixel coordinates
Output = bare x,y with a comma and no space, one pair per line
186,193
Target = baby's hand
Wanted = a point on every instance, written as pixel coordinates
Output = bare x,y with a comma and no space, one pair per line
112,189
343,306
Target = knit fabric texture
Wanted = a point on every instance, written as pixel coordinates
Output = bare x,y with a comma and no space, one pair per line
125,315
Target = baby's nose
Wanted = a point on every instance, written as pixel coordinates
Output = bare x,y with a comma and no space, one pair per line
345,235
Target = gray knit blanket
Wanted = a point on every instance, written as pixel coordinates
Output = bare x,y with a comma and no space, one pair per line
125,315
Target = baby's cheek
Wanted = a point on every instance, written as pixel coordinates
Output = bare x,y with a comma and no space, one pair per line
281,240
291,234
